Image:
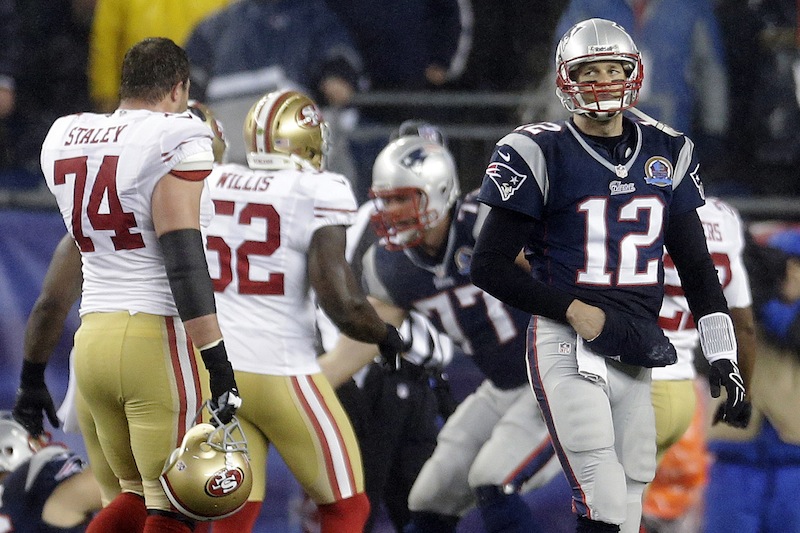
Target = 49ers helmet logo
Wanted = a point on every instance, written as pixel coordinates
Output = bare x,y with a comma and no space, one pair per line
309,116
224,482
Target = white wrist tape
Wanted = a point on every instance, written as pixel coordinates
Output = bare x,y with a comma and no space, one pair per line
717,337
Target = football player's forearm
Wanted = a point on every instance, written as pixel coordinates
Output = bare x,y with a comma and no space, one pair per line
60,290
744,325
345,359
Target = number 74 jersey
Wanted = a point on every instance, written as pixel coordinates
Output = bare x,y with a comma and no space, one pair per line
601,216
103,169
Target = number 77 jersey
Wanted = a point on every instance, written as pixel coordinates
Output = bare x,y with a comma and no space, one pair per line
102,170
601,211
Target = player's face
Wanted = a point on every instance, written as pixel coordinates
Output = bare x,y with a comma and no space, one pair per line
402,208
604,80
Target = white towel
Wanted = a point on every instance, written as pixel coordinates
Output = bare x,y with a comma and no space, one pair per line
590,365
68,412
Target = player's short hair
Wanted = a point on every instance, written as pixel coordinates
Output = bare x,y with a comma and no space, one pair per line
151,68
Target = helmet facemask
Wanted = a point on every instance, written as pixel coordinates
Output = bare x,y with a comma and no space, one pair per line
592,41
402,227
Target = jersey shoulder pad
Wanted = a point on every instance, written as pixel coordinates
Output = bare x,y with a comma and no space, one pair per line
182,134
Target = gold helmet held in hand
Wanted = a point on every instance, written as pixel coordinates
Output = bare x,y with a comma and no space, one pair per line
285,129
208,476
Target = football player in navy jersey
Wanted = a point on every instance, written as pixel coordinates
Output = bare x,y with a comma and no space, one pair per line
43,489
592,201
496,441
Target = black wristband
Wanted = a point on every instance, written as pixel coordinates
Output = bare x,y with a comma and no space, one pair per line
32,374
215,357
187,271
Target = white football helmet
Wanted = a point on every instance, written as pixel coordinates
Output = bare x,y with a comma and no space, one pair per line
219,144
597,40
418,170
285,129
208,476
16,445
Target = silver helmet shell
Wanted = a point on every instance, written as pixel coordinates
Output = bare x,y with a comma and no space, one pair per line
597,40
16,446
423,173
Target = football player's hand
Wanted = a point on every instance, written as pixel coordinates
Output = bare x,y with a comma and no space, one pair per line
225,399
31,402
424,345
391,348
736,410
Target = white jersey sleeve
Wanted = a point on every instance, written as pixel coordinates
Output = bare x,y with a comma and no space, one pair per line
258,243
725,240
102,170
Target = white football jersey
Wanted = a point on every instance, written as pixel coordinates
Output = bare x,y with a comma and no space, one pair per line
725,239
257,245
102,170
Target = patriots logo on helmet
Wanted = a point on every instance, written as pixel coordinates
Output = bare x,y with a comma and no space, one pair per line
414,160
505,178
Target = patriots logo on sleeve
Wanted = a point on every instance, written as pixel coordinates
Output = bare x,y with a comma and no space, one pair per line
506,179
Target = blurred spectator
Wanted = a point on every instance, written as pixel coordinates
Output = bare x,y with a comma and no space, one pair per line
755,477
762,43
9,69
119,24
54,35
407,45
255,46
686,76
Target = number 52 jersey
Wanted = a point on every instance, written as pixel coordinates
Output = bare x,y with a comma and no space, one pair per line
257,252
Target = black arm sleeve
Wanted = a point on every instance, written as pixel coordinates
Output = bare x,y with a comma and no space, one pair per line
502,237
187,271
686,244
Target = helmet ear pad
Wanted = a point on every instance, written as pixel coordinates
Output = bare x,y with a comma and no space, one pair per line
208,476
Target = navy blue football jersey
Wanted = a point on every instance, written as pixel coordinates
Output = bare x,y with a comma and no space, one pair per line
25,491
490,331
601,211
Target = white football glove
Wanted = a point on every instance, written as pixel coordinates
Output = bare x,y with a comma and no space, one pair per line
425,345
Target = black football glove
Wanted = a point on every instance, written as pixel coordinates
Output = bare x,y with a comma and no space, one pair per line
33,398
736,410
391,348
636,341
225,399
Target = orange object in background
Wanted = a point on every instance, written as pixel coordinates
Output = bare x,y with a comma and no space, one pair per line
682,474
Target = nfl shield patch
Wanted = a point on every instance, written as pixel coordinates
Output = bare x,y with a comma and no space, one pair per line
564,348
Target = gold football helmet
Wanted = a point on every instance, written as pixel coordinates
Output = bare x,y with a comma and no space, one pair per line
220,144
285,129
208,476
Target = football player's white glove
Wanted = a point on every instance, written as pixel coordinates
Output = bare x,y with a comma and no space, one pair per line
425,345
